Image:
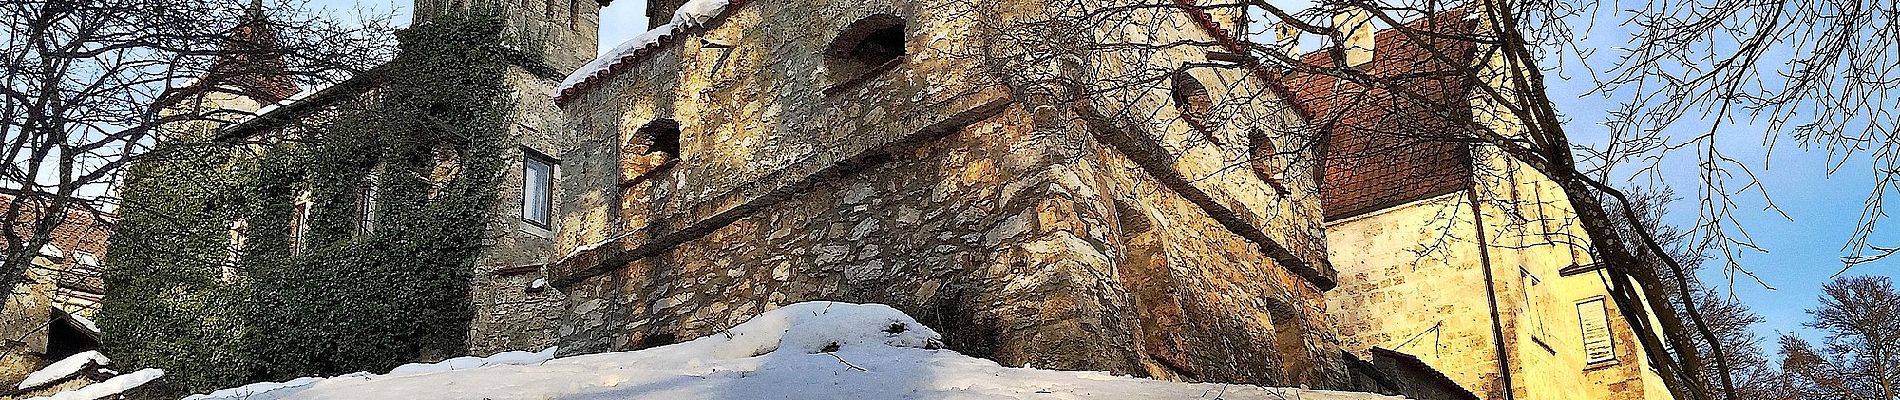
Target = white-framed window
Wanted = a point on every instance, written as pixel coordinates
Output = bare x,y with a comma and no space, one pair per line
537,188
1599,346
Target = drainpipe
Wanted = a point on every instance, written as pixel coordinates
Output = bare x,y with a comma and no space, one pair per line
1490,291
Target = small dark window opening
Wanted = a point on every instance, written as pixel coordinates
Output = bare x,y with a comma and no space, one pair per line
66,337
663,135
1288,339
1264,158
574,14
537,191
884,45
865,48
657,339
1130,218
1191,99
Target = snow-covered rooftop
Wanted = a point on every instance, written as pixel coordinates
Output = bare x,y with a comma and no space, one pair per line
110,388
64,368
692,15
70,366
813,350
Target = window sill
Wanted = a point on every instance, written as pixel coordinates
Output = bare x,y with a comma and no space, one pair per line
517,270
1540,343
646,172
867,76
536,230
1601,365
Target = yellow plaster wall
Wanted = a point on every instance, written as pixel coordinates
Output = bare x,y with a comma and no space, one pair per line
1410,279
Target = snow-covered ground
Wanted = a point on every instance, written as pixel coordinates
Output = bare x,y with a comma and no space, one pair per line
813,350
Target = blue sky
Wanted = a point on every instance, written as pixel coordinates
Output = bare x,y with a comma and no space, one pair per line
1800,251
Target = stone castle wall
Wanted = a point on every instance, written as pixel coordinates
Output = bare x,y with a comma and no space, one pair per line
513,306
1411,279
563,34
1054,234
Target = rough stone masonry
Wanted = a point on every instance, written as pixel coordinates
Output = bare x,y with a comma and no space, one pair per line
991,167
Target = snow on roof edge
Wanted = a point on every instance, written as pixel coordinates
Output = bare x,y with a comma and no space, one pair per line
63,369
85,323
110,387
694,15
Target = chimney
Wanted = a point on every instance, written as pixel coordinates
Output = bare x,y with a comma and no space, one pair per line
1287,39
1355,25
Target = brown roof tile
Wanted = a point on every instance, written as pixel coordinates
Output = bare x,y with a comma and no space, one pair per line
1389,147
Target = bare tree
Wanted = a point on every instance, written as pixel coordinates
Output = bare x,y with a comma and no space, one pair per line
1821,75
89,85
1730,320
1860,359
1491,53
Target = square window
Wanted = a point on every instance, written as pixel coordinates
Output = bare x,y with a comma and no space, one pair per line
537,190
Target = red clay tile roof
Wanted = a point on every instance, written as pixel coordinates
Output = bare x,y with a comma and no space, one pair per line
80,231
250,56
1385,148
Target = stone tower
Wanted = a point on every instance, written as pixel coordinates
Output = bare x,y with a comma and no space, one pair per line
563,34
922,154
512,308
249,71
310,225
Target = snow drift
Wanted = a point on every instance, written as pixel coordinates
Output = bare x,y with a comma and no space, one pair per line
813,350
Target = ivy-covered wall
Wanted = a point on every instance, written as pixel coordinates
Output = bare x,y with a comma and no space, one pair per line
432,142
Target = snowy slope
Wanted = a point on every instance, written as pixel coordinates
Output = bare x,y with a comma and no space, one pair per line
814,350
